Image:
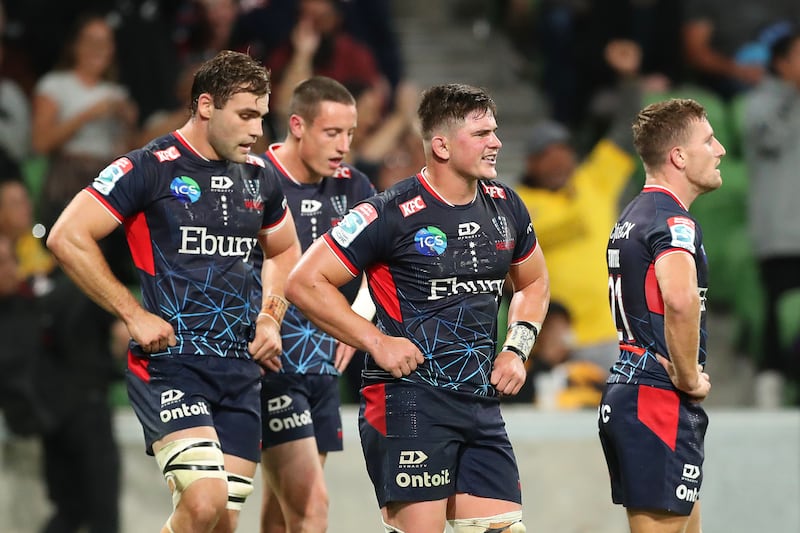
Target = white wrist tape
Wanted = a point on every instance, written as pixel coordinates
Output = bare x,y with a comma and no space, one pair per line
521,337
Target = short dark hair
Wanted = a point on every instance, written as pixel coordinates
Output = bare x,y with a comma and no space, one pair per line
308,94
446,105
229,73
662,125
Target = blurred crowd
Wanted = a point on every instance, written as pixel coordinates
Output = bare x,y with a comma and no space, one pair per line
84,81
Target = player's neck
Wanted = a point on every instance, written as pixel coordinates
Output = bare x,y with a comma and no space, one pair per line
289,157
453,188
198,140
681,189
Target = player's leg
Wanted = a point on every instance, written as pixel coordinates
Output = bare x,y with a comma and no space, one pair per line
410,455
272,520
642,521
194,467
414,517
468,513
301,422
293,472
488,495
240,474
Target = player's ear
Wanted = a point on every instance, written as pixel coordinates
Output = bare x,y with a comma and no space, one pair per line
205,105
440,147
296,125
677,157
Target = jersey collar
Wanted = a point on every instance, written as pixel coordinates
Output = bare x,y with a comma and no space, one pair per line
661,188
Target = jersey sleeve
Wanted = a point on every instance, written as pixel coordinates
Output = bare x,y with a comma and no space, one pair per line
127,185
526,236
276,207
359,238
672,232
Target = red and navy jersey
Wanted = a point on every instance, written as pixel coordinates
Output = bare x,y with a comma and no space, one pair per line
192,225
436,273
316,208
653,225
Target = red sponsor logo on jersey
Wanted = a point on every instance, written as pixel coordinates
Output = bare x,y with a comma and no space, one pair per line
257,161
343,172
494,191
504,245
367,211
170,154
412,206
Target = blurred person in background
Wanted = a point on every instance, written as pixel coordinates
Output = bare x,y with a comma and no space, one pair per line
81,116
771,141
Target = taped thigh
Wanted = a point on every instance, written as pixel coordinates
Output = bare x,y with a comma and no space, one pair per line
239,488
502,523
184,461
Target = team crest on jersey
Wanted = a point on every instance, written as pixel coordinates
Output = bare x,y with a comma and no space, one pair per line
339,203
170,154
252,193
682,231
185,189
412,206
109,176
430,241
494,191
354,223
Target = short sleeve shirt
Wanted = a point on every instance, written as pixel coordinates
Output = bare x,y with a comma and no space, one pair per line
652,226
191,225
316,208
436,273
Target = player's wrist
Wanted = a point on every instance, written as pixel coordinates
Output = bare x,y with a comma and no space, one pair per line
274,307
520,338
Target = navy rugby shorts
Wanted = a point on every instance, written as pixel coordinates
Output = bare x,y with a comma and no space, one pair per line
652,439
423,443
298,406
169,394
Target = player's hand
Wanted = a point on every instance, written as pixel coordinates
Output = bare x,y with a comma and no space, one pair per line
151,332
305,38
344,353
398,356
267,342
508,374
699,391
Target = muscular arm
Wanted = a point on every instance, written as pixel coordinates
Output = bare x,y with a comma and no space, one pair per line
699,53
677,280
73,241
531,286
313,288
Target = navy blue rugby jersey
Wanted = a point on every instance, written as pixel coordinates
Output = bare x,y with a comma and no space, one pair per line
436,273
316,208
191,225
653,225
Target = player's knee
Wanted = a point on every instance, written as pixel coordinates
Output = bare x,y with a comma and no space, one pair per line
185,461
239,488
501,523
391,529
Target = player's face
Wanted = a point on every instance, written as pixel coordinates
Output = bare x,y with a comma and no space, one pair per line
324,142
474,146
704,154
234,129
